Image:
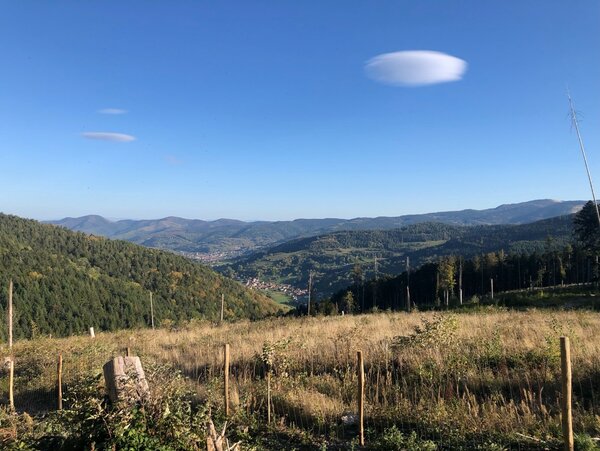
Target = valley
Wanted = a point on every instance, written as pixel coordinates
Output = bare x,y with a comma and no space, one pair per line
337,258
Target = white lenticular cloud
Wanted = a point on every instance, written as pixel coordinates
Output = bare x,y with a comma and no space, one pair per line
109,136
112,111
415,68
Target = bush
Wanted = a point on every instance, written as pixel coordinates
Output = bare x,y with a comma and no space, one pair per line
584,442
393,439
165,420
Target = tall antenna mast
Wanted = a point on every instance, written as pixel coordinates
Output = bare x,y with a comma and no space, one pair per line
581,146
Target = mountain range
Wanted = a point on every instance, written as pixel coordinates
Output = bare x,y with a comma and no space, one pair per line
230,237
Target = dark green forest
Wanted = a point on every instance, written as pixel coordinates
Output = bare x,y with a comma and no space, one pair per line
440,282
65,282
437,284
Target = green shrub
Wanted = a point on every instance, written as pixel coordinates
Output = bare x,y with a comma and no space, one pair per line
163,421
393,439
584,442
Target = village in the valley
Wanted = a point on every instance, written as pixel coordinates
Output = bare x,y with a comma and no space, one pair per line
293,292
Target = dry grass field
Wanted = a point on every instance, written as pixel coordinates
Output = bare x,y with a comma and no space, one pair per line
483,380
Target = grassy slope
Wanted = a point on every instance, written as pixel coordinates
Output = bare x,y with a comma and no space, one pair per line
468,382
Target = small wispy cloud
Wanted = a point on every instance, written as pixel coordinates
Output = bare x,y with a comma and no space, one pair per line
109,136
415,68
112,111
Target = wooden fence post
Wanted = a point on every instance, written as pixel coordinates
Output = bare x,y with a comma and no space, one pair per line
408,303
11,368
222,306
310,293
92,334
226,377
11,383
151,311
567,414
10,314
269,396
128,351
361,398
59,381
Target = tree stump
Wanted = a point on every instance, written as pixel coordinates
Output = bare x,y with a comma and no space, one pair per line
125,380
216,442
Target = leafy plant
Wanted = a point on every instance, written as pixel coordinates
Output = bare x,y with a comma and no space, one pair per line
441,329
164,420
274,358
392,439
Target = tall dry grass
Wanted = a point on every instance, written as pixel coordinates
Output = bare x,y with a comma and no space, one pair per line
454,378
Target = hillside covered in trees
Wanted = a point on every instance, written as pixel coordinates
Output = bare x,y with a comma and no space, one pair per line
437,284
334,257
65,282
441,282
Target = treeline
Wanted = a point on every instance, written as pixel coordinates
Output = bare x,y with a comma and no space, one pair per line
66,282
470,238
444,281
372,239
438,284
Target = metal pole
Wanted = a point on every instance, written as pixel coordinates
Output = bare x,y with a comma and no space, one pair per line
581,146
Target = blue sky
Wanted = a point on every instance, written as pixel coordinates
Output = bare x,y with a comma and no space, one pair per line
264,109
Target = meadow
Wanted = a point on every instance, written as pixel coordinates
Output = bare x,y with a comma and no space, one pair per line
487,379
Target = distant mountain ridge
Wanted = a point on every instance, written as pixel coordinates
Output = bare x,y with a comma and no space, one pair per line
234,236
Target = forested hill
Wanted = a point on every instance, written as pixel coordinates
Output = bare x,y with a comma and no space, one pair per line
333,257
67,281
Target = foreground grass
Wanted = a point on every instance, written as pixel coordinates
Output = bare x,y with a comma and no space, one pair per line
479,380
